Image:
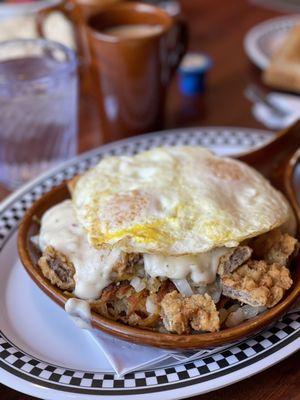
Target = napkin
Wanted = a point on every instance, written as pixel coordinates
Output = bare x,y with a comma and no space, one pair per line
125,357
286,102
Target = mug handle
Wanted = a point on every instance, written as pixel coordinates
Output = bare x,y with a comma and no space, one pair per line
70,12
289,170
179,47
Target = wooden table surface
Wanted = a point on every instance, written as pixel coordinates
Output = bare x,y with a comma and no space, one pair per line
217,27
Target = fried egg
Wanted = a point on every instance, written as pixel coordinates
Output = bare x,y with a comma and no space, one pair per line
175,201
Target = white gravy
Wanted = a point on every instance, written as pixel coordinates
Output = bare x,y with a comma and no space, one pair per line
61,230
80,312
202,268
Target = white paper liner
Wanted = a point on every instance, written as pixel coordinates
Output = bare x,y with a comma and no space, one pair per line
127,357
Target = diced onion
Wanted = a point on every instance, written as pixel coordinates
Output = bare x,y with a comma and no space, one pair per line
183,286
201,289
222,315
216,295
137,284
235,318
241,314
215,291
251,312
151,307
234,307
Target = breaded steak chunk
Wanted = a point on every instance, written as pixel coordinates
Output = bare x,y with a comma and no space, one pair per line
172,313
180,314
202,313
275,247
257,283
234,259
57,268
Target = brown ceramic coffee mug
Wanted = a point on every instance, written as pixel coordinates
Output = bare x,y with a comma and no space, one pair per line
135,49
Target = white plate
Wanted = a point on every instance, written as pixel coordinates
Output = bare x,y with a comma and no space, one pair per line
265,38
43,354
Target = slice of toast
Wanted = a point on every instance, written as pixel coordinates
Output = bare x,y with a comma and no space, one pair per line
284,69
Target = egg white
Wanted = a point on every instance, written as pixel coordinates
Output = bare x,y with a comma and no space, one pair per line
175,201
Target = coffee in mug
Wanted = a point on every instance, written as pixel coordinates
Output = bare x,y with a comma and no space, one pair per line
135,49
132,31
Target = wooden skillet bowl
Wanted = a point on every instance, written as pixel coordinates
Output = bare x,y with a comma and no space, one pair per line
29,257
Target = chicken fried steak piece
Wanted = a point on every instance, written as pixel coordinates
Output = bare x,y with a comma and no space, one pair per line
180,314
57,268
257,283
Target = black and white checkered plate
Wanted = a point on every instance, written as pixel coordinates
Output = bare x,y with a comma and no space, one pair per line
43,354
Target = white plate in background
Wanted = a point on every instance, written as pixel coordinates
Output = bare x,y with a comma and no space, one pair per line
265,38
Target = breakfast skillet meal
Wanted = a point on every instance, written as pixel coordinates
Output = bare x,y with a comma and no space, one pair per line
174,239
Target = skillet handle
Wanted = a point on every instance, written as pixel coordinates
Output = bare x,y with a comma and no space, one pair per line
278,160
286,182
270,157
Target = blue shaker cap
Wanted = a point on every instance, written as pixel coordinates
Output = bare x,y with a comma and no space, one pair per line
192,72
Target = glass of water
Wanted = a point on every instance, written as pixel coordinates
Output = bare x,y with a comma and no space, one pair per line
38,108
